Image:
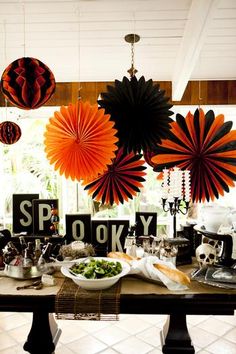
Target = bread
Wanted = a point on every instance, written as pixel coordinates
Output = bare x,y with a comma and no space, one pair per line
173,274
120,255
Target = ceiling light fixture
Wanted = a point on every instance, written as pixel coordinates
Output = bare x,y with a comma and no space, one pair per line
132,38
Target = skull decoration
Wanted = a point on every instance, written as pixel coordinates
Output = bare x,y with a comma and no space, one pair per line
205,254
217,244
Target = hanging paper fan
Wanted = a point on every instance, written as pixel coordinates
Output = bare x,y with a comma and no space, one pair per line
121,181
10,132
27,83
80,141
148,155
204,145
140,112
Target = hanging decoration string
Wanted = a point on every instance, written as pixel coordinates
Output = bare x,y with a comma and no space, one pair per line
79,38
24,29
5,109
10,132
199,94
199,86
5,57
132,46
5,42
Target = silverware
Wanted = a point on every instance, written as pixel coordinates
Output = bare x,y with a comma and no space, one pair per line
37,285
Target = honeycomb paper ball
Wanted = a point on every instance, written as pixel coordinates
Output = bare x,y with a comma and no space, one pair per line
10,132
27,83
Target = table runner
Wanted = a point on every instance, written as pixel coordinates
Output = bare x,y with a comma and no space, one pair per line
75,303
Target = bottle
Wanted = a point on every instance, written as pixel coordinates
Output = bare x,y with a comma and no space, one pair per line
56,250
130,242
1,260
12,248
44,259
30,248
37,250
27,261
168,252
23,244
45,242
45,255
8,254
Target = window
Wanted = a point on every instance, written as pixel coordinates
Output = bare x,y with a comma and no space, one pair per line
24,168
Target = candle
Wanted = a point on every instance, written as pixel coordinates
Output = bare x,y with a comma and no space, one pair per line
187,186
165,184
176,184
172,186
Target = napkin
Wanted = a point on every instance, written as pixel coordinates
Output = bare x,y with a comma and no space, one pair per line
144,267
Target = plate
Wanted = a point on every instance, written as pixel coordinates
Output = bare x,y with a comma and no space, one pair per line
221,275
200,276
202,228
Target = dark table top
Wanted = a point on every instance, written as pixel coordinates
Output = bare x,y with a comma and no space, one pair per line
137,296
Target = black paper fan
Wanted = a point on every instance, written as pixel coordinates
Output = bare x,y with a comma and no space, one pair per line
140,112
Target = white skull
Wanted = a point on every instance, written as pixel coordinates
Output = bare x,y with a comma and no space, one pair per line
205,254
217,244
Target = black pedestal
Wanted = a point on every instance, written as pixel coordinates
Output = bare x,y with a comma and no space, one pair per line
175,338
43,335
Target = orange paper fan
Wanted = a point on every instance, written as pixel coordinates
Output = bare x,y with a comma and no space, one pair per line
205,145
121,181
80,141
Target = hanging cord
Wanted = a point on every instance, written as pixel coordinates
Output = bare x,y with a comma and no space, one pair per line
24,29
5,109
5,42
79,38
133,70
199,94
5,58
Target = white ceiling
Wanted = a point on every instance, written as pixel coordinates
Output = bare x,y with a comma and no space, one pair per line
83,40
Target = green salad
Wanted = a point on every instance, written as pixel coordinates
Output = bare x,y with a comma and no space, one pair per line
96,268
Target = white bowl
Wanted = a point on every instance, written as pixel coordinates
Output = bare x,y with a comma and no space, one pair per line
213,216
96,284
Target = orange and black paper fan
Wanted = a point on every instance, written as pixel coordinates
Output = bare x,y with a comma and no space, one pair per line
148,155
140,112
121,181
205,145
27,83
80,141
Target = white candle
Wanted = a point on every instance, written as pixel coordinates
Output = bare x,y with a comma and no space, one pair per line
187,185
172,186
165,184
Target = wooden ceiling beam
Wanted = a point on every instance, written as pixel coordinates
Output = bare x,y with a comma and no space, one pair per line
199,20
221,92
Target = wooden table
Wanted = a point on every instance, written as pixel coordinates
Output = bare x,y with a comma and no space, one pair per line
137,297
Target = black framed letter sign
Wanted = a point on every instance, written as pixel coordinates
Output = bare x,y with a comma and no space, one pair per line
42,216
117,232
99,236
146,223
78,227
23,213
